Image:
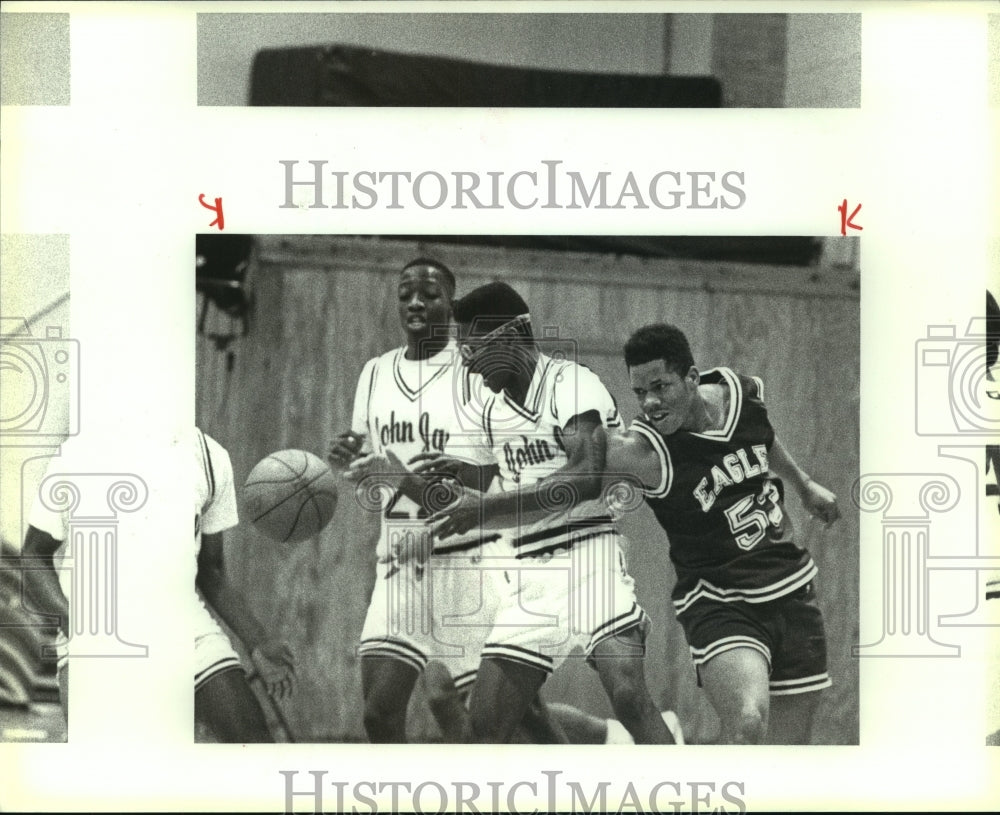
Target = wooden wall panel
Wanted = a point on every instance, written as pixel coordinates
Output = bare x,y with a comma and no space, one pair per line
325,305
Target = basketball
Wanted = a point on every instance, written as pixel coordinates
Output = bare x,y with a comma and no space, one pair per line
290,495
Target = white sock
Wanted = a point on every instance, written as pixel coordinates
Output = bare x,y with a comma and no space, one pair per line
617,734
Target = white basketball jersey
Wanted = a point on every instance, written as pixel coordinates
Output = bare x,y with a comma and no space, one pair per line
416,406
214,503
214,493
527,443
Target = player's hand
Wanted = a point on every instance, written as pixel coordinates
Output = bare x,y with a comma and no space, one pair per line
344,449
385,464
458,517
820,502
414,548
275,665
435,463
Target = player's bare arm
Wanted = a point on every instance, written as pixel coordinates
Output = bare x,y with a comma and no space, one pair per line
580,479
41,582
817,499
271,657
631,456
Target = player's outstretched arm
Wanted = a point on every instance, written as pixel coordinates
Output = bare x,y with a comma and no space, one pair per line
817,499
41,583
271,657
579,479
632,458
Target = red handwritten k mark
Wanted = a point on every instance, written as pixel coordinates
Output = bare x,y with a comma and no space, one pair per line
845,219
217,209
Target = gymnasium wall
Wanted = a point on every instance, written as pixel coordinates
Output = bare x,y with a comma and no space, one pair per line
607,43
762,60
324,305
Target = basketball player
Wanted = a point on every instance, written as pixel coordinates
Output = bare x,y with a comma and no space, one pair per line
705,451
544,423
224,701
405,405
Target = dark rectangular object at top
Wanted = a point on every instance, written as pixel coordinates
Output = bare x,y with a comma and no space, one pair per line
343,76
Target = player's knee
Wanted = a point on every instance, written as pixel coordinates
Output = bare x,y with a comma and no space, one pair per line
748,725
440,686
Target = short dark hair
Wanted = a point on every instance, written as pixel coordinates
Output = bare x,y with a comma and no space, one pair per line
434,264
660,341
992,329
491,306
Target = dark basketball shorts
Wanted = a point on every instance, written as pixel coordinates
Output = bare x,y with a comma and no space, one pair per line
788,632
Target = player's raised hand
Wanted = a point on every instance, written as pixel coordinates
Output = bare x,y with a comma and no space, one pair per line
434,462
344,449
414,547
275,665
385,464
820,502
460,516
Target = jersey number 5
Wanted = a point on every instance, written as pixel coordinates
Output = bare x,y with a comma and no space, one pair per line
750,517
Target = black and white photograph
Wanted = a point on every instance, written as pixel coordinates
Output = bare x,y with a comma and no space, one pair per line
543,59
361,331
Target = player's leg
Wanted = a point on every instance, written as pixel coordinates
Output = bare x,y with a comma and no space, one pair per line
392,650
619,662
580,727
736,683
223,698
227,705
500,699
540,726
387,684
446,703
604,593
791,717
448,707
615,732
798,666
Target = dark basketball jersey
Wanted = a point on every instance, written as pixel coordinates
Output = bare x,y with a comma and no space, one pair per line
721,509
